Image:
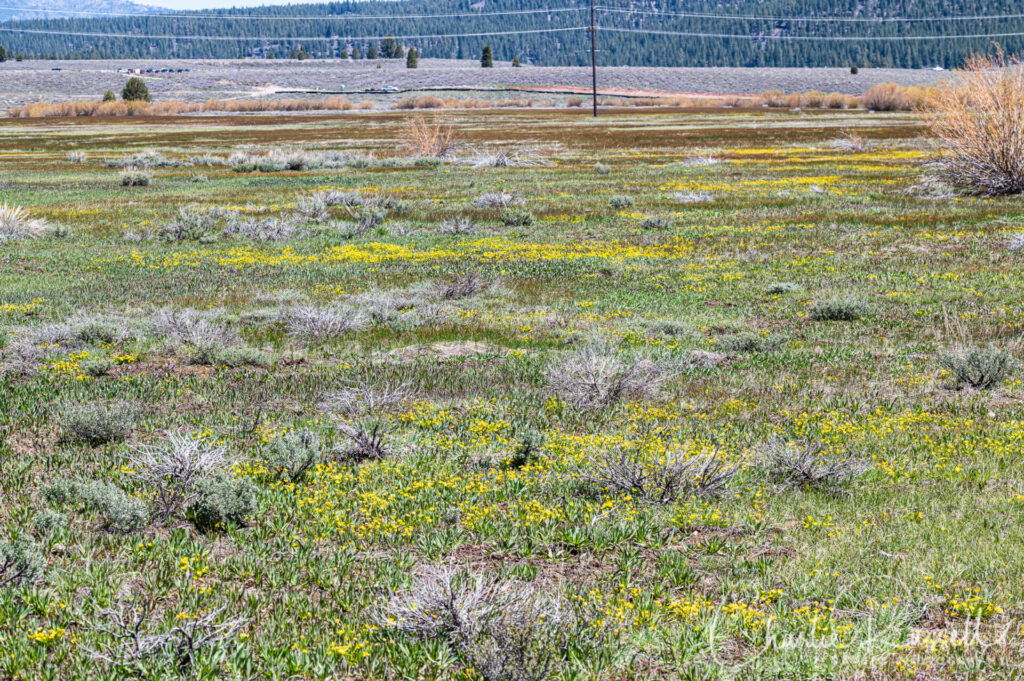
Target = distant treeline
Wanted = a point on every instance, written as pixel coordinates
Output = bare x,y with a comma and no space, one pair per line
274,36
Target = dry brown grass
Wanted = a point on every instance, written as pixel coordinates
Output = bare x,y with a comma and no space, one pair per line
430,138
812,99
172,107
894,97
978,120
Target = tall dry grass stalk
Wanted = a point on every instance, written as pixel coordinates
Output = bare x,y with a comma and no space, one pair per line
434,139
977,120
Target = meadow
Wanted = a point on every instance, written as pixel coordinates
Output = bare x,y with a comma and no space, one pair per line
700,394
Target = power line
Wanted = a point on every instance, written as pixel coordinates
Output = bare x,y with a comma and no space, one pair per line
269,17
238,39
701,15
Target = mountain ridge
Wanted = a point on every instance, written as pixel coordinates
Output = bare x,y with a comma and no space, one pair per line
33,9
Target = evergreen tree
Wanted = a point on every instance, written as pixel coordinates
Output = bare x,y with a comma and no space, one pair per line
109,96
3,54
412,60
390,49
344,53
356,54
515,61
135,90
372,52
487,57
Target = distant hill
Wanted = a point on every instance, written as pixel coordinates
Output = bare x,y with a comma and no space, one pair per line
877,33
15,10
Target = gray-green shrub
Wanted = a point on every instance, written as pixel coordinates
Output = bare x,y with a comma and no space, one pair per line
20,562
291,456
839,310
223,499
980,368
517,217
98,422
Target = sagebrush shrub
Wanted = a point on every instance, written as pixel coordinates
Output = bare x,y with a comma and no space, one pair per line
366,397
693,197
96,366
122,514
49,521
135,177
503,628
16,223
979,368
457,226
20,562
655,223
466,286
748,341
222,499
793,465
132,635
366,442
267,229
97,332
313,207
590,379
190,224
292,455
496,200
218,354
515,217
665,478
839,310
191,327
621,201
98,422
173,468
782,287
316,323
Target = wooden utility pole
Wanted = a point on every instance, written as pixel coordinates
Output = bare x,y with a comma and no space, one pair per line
593,54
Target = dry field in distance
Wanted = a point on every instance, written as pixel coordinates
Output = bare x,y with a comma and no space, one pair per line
30,81
504,395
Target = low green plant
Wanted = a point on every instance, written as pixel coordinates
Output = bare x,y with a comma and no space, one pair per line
621,201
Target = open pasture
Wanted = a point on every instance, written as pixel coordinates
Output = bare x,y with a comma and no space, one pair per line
663,394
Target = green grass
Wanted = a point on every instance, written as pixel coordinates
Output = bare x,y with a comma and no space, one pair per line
487,469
